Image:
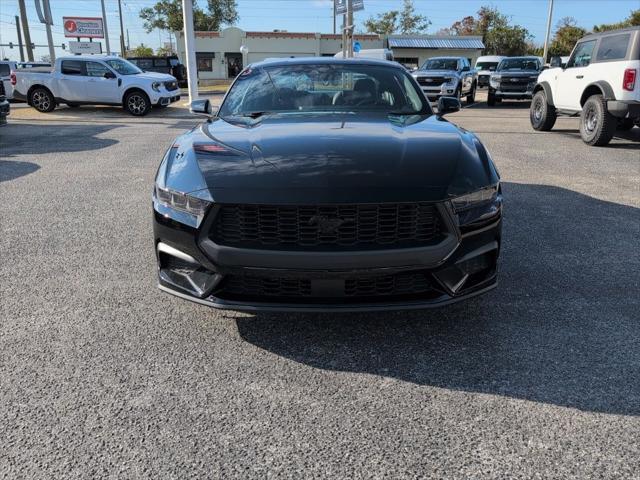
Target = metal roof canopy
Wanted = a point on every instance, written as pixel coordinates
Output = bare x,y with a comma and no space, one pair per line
446,43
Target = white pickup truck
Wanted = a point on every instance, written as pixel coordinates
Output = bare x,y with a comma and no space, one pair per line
599,82
95,80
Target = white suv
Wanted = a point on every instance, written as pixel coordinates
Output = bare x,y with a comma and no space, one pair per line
599,82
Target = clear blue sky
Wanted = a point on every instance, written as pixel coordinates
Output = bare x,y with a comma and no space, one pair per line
308,15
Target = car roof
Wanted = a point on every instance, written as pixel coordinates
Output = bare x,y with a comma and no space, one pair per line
91,57
612,32
271,62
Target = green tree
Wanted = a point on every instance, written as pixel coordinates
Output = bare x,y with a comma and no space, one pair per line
165,51
167,15
140,51
406,21
498,35
632,20
566,35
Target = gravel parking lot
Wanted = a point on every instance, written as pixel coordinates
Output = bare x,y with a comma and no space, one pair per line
102,375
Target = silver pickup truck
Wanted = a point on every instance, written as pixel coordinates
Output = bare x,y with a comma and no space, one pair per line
447,77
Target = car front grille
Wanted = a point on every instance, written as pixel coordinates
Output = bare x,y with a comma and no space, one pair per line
431,81
514,84
327,227
250,286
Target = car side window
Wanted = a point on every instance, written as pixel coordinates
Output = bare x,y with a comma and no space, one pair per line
582,54
613,47
71,67
95,69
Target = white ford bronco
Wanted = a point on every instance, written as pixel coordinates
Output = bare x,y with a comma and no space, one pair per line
599,82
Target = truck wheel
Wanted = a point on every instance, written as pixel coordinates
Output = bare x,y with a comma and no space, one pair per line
542,115
42,100
137,103
491,99
471,97
597,125
625,124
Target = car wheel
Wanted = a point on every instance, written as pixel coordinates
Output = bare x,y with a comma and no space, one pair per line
625,124
542,115
597,125
42,100
491,99
137,103
472,95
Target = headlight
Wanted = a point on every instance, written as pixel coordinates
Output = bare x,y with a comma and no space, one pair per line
474,199
449,80
183,208
156,86
494,80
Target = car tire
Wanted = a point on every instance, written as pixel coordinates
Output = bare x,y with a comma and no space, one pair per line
597,125
137,103
625,124
541,113
471,98
491,99
42,100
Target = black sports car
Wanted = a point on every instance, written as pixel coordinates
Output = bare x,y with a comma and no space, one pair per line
327,184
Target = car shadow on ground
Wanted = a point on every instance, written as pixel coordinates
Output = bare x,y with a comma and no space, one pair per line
10,170
34,139
629,140
561,328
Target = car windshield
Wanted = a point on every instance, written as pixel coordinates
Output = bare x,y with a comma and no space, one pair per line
123,67
519,64
323,88
440,64
486,65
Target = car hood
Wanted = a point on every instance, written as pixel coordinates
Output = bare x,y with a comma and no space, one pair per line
434,73
331,158
156,76
518,73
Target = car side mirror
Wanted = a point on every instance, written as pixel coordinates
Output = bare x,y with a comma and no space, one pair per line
203,107
109,75
448,105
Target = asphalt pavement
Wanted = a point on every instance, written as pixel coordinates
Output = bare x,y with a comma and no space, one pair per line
104,376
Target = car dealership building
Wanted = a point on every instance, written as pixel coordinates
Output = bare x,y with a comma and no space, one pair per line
218,53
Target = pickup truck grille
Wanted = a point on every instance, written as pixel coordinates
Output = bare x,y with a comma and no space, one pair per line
171,85
514,84
327,227
431,81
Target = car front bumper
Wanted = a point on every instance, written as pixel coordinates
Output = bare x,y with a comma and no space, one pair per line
463,265
166,100
512,95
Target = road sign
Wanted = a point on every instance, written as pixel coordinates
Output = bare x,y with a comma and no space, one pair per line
357,47
341,6
85,47
83,27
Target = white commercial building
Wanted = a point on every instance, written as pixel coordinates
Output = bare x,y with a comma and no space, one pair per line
218,53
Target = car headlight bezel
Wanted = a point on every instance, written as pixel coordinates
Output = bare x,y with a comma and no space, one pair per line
494,80
477,198
181,207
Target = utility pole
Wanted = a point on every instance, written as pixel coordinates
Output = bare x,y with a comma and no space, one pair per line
349,28
546,38
45,17
190,49
25,28
106,29
19,38
123,52
334,17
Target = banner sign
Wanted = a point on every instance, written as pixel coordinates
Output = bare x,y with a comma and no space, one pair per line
83,27
341,6
85,47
